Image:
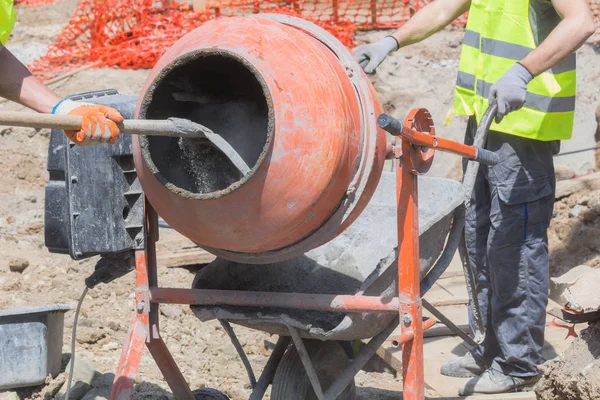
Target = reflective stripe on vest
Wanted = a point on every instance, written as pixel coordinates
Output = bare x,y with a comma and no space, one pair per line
7,19
498,34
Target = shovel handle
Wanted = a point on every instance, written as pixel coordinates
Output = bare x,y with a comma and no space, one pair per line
40,121
73,123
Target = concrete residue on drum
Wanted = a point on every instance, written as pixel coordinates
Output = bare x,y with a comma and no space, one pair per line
210,170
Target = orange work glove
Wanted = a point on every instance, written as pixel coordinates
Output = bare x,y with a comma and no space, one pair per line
98,125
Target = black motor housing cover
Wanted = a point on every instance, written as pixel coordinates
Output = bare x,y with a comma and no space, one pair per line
94,201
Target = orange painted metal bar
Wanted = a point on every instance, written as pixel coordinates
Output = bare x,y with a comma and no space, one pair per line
411,320
423,139
429,323
405,337
303,301
131,354
151,268
157,347
167,365
144,327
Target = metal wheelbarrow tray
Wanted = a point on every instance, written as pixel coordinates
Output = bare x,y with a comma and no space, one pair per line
356,262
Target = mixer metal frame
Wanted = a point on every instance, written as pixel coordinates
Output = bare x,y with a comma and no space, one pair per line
413,156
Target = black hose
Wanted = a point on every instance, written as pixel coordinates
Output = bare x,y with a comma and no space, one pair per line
73,337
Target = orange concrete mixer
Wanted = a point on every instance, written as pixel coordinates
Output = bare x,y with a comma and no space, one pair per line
289,98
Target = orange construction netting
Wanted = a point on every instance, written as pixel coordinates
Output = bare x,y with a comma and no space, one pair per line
135,33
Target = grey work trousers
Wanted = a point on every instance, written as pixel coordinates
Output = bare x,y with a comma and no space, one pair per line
506,234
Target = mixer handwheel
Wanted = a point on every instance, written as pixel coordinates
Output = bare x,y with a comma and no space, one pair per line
418,158
292,383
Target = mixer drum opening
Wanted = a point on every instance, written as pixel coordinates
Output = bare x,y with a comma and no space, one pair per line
217,89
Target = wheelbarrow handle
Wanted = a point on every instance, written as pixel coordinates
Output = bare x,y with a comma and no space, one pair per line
470,176
391,125
479,141
484,126
474,153
486,157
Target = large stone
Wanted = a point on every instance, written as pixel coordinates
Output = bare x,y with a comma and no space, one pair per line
89,335
9,396
575,211
18,264
577,289
84,374
101,387
104,381
570,186
563,172
83,371
147,390
78,390
96,394
51,389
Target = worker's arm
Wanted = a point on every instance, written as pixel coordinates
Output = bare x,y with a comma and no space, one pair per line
576,27
19,85
430,19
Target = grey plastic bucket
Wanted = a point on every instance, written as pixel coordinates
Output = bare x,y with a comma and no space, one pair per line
30,345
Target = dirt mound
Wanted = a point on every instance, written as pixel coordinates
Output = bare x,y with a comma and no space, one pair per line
574,233
574,374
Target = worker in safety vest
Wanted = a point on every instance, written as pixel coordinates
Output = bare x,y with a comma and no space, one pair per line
17,84
519,53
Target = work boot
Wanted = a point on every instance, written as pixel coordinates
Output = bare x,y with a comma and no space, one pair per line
463,367
493,381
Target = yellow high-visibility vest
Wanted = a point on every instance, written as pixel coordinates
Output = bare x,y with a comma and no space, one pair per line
7,19
498,34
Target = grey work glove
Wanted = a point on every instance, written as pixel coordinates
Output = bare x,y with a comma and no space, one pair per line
369,56
510,90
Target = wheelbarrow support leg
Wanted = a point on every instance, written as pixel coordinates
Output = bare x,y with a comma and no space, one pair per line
144,328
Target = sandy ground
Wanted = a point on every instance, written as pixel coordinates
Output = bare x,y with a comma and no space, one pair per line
422,76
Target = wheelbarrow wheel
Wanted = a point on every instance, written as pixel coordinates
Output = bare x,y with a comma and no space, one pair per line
291,381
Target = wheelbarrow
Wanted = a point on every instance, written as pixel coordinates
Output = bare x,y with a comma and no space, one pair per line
360,262
344,290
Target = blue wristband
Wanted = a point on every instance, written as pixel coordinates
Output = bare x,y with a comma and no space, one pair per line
56,106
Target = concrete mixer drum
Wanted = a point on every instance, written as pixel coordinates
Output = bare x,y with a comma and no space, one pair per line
289,98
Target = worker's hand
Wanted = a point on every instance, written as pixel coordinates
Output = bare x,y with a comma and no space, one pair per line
98,122
369,56
510,90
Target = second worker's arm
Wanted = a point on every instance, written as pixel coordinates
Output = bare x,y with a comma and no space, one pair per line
432,18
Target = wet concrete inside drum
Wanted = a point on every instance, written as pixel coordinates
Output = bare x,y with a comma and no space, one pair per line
223,94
